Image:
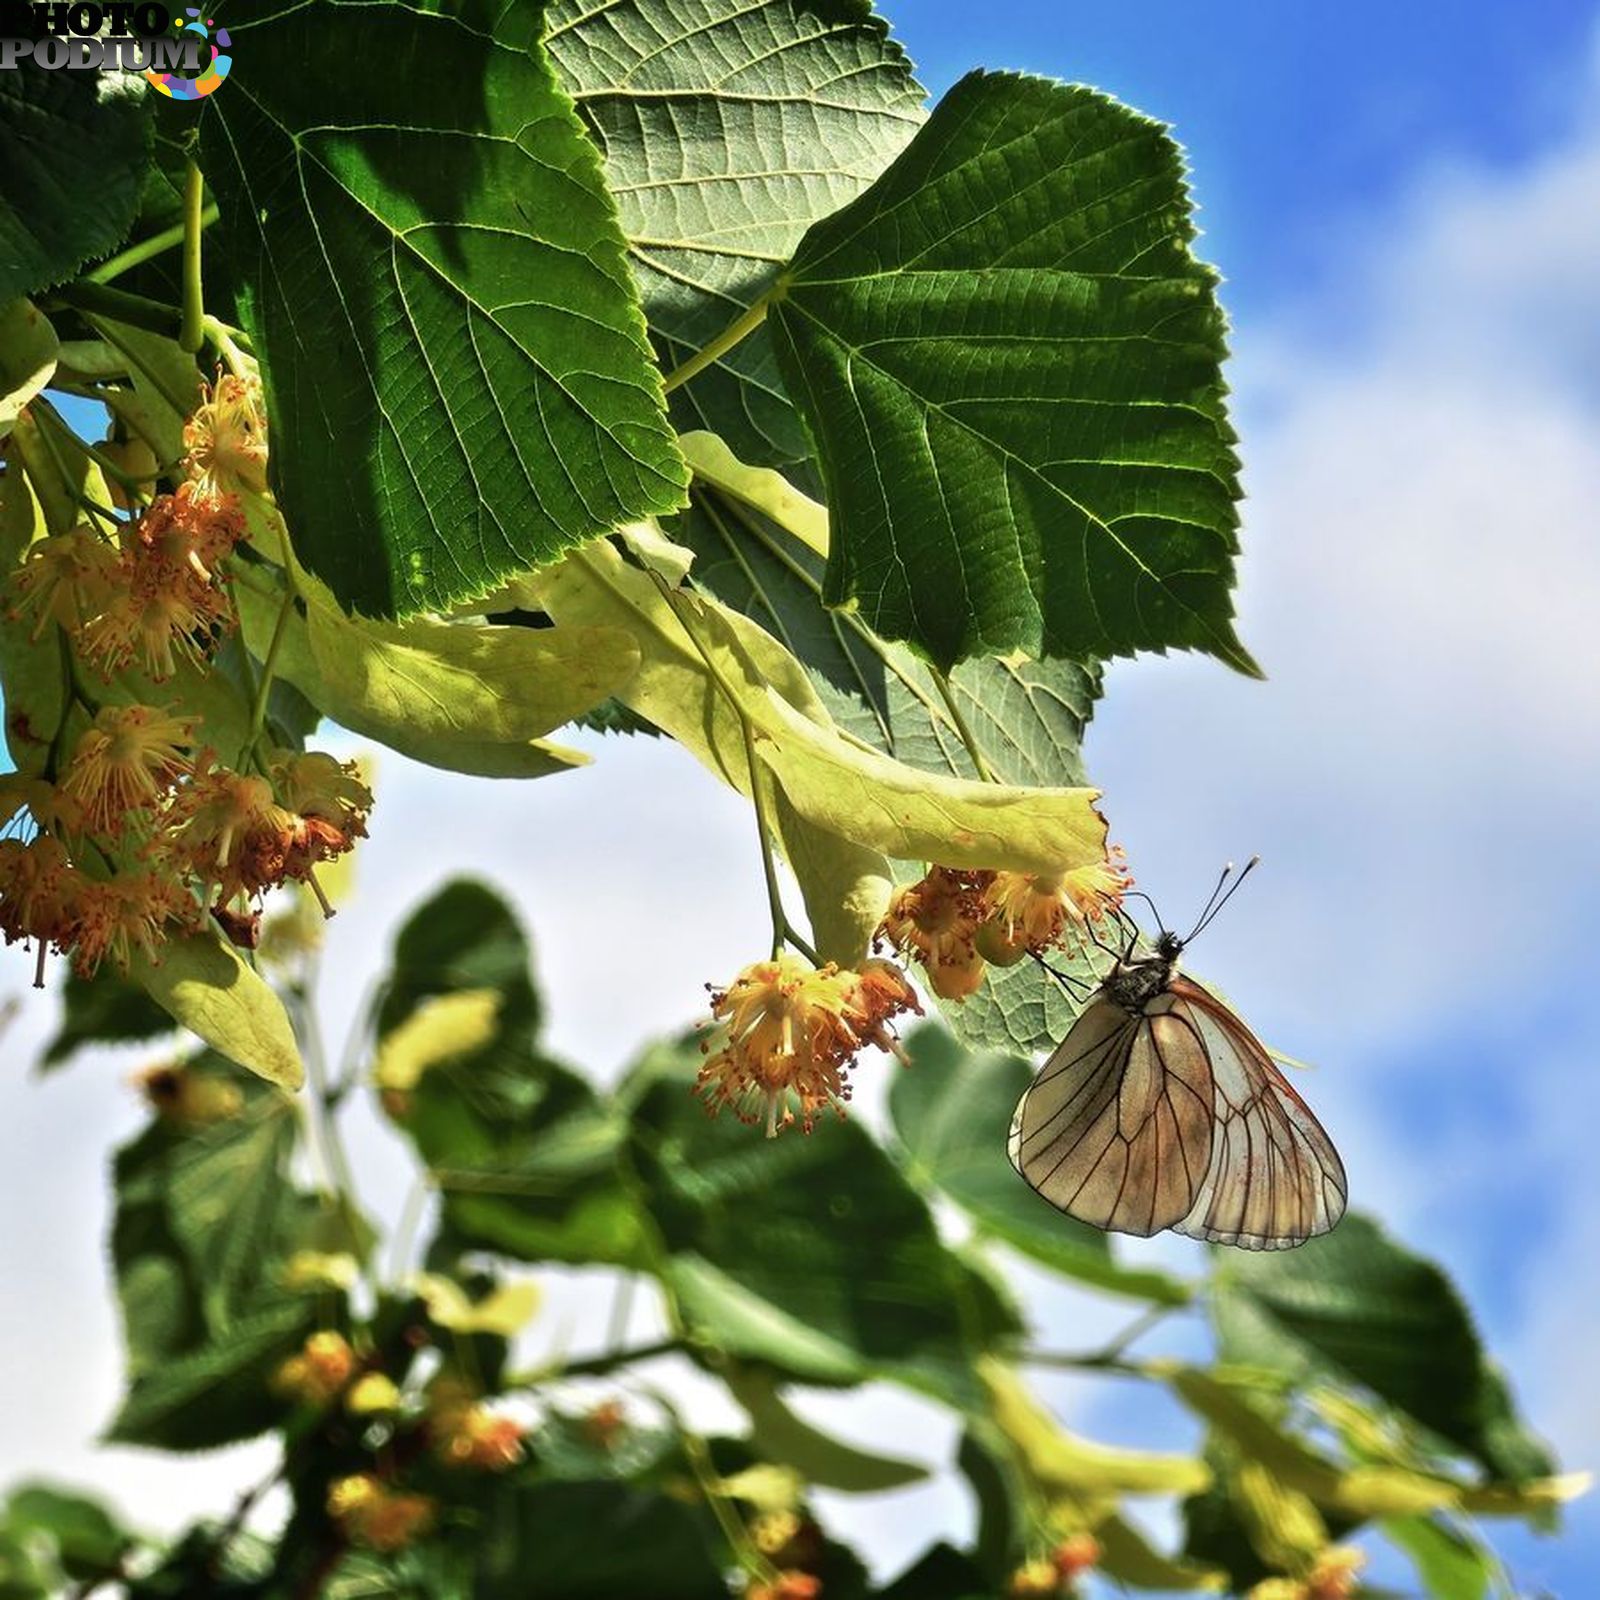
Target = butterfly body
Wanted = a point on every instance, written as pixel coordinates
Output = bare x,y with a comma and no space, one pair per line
1160,1109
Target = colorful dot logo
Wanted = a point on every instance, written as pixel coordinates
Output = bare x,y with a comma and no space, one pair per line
177,87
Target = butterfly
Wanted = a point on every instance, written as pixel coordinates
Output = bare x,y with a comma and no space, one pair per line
1161,1109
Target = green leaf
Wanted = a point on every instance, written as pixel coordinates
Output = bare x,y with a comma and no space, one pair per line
206,1221
103,1010
783,1437
952,1111
219,1392
813,1255
457,370
226,1188
728,127
596,1541
1010,361
210,991
28,352
1359,1305
704,686
76,144
453,694
1451,1567
88,1540
523,1151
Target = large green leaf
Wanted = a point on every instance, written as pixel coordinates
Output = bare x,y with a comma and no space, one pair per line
1010,361
813,1255
596,1541
76,144
29,351
206,1219
457,369
728,127
522,1150
952,1110
1357,1304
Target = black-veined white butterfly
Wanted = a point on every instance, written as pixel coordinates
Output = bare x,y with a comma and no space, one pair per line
1160,1109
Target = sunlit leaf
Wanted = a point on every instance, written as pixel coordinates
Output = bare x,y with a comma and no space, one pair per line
1010,361
727,128
457,370
28,352
703,686
208,989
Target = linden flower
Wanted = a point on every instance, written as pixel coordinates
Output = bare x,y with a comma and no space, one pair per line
227,437
787,1033
228,828
124,762
375,1516
39,893
936,919
319,1373
372,1394
157,631
1332,1577
1038,1580
481,1439
169,604
1036,910
69,579
332,802
791,1585
125,915
181,540
1075,1556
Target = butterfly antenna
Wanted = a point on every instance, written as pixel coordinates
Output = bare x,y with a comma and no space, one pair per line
1076,987
1219,899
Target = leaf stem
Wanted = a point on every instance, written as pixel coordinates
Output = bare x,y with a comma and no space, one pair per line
147,249
335,1159
979,761
109,467
783,930
136,310
223,337
191,331
739,329
269,667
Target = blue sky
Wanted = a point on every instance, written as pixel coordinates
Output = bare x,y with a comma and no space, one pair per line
1406,203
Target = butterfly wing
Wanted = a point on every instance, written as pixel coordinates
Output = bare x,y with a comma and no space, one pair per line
1274,1179
1116,1128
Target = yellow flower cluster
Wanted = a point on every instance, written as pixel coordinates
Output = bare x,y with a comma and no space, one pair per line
1333,1576
1054,1577
466,1433
133,828
788,1034
955,921
373,1516
320,1371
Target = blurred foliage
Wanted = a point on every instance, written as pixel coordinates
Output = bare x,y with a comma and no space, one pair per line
1347,1394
